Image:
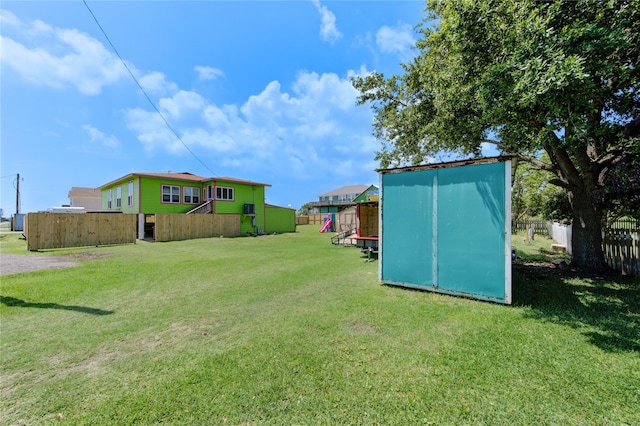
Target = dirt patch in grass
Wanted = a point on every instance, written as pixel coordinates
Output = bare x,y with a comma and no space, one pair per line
85,256
18,263
359,327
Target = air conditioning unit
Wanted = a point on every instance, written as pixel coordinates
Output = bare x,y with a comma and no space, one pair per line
249,209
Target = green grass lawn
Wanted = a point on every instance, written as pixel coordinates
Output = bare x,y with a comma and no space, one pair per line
289,329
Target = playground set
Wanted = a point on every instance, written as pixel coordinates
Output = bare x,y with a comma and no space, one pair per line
327,225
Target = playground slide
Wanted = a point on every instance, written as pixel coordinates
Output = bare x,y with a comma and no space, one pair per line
326,226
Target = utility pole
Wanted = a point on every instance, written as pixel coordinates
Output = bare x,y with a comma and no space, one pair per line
18,195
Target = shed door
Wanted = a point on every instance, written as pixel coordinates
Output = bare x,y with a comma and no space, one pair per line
408,200
471,230
448,230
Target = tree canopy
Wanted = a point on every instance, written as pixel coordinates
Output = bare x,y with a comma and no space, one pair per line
560,77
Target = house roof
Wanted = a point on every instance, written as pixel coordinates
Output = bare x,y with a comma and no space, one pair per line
279,207
77,191
185,176
362,196
351,189
230,179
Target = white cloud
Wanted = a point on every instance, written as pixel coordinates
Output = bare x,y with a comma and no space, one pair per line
208,73
395,40
181,104
66,57
152,131
328,29
157,84
8,19
110,141
314,126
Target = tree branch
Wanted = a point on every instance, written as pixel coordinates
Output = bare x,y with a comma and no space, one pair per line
558,182
536,163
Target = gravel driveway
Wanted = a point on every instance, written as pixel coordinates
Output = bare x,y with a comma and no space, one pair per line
16,263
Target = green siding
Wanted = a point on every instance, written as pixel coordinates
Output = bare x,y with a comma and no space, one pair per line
124,185
151,196
244,194
280,219
147,199
370,194
447,230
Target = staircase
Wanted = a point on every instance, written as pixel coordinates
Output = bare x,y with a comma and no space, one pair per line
345,237
203,208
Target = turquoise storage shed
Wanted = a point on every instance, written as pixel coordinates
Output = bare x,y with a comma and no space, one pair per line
447,228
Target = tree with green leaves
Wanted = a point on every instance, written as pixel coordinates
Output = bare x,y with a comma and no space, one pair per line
304,209
528,191
560,77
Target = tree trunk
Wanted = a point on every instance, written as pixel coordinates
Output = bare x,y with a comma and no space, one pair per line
586,240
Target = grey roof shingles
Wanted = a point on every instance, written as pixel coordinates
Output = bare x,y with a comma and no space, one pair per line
350,189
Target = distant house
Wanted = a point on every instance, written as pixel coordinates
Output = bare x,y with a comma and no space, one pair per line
337,200
153,193
371,194
89,198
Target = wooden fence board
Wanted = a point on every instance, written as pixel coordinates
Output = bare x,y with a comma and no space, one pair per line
622,251
368,220
540,227
175,227
317,218
345,219
619,243
60,230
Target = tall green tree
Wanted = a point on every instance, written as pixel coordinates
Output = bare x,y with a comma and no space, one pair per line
529,190
304,209
527,76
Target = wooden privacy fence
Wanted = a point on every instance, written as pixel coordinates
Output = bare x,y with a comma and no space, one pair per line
344,220
174,227
621,251
540,227
59,230
302,220
317,218
621,246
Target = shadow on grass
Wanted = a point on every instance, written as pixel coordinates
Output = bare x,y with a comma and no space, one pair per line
606,309
13,302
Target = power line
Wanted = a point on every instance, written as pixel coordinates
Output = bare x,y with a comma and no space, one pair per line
143,91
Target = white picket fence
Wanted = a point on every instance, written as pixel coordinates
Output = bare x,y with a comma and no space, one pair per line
620,242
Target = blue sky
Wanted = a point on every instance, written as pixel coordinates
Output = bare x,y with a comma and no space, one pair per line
257,90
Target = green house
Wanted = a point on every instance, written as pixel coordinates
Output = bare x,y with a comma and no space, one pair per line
180,193
371,194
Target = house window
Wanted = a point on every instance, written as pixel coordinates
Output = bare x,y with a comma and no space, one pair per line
191,195
170,194
224,193
109,205
130,194
119,197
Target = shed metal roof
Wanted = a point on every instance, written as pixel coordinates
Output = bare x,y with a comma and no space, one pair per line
457,163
